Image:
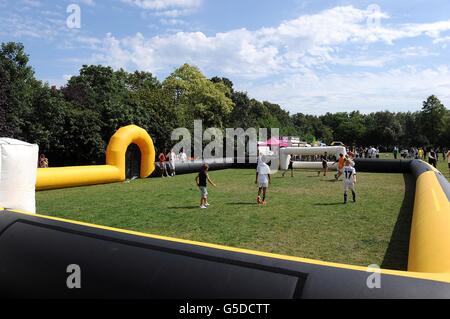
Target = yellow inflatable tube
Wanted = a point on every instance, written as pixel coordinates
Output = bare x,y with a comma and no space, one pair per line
113,171
430,232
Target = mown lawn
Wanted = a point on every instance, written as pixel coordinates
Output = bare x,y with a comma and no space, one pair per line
305,216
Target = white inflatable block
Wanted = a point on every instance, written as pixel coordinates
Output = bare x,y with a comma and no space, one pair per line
18,168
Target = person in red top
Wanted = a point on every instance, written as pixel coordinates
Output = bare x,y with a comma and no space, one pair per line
162,165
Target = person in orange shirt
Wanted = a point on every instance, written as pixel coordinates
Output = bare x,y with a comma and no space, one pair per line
341,163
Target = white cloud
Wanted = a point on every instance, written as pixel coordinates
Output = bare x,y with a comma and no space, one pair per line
32,3
399,89
309,41
90,3
299,58
164,4
18,26
173,22
442,40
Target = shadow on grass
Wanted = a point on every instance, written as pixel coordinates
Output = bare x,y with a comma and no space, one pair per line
184,207
396,256
329,204
239,204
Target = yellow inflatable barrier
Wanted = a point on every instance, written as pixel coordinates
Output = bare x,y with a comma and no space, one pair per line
113,171
430,231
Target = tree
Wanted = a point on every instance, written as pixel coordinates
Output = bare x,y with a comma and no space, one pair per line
152,108
432,119
16,85
198,97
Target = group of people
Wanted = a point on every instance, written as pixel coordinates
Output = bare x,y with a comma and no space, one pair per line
167,162
431,154
263,178
345,165
365,152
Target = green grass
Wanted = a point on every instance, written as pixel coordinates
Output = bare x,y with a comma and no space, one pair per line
305,216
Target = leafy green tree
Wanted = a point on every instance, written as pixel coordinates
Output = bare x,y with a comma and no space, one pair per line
16,86
100,89
198,97
432,119
153,108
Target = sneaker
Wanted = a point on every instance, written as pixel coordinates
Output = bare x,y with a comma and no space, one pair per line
203,207
258,199
264,202
207,205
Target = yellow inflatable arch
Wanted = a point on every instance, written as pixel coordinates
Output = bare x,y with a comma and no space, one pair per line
114,170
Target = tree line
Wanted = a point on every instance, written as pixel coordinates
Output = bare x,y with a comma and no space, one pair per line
73,124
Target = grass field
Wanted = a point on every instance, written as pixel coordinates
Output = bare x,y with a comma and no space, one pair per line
305,216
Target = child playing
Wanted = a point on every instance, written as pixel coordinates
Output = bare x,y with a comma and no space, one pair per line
291,166
341,162
324,159
349,173
202,179
262,180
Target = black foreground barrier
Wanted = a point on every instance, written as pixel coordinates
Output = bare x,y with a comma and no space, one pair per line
38,253
35,253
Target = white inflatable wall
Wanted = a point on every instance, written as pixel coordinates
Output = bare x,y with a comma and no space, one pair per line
313,165
285,155
18,168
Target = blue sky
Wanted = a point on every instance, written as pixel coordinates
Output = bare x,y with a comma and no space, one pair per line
309,56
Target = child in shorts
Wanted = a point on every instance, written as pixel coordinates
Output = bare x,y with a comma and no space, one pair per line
262,180
202,181
349,173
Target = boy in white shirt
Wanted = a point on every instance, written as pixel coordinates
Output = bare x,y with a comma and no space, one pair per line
349,181
172,158
183,156
262,180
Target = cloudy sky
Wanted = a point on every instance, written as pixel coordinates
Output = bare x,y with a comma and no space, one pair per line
309,56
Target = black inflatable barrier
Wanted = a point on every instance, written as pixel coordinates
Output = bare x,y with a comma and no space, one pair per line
214,165
35,252
382,166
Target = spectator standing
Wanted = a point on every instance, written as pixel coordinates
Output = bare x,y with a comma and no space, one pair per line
395,152
43,161
183,156
432,160
162,165
421,154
